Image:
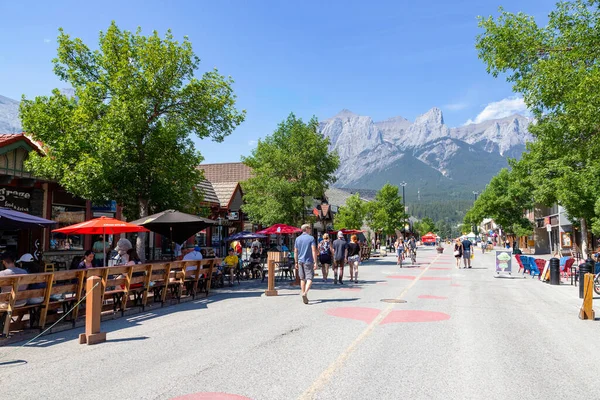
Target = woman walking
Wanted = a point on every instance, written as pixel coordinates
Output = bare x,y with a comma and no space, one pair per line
325,256
399,251
458,252
353,258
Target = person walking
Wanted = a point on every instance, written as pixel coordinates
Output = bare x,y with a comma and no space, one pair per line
458,252
399,251
467,246
100,247
353,258
325,256
340,250
305,255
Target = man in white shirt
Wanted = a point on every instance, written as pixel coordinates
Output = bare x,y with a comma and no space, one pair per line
193,255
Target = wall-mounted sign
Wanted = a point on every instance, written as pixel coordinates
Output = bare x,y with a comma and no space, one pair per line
18,199
109,206
233,215
565,239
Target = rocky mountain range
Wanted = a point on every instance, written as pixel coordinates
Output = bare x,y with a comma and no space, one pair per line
9,116
435,161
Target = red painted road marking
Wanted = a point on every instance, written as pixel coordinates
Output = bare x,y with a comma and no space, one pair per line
351,289
211,396
407,277
414,316
439,269
434,278
359,313
455,285
430,297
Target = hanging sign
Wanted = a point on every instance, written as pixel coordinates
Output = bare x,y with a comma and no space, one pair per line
17,199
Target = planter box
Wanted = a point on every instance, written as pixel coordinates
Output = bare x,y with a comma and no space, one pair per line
440,249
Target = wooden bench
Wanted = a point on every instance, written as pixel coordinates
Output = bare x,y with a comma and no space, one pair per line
67,290
159,281
139,284
18,300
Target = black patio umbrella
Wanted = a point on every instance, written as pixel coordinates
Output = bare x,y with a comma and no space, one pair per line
12,220
175,225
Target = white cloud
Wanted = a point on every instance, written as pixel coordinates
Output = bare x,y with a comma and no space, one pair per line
47,40
252,143
500,109
456,106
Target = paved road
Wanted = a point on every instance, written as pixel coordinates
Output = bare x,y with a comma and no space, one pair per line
462,334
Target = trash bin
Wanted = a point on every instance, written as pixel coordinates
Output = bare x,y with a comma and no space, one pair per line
554,271
584,268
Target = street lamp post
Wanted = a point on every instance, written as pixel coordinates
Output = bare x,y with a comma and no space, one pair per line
475,196
403,184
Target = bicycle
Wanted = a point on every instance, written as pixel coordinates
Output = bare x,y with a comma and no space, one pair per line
413,256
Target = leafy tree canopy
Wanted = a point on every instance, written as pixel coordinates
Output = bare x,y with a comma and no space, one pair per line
505,200
352,215
125,134
425,226
290,167
555,68
386,213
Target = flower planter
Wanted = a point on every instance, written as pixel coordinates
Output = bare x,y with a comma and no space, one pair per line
440,249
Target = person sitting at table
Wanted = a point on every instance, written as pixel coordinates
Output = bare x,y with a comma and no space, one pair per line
231,262
194,255
88,260
28,264
8,261
255,262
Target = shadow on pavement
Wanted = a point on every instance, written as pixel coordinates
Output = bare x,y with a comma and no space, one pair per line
319,301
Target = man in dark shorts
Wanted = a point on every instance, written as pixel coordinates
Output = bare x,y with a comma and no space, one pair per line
305,254
467,248
340,250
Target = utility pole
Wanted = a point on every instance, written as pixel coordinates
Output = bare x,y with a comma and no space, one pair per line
475,230
403,184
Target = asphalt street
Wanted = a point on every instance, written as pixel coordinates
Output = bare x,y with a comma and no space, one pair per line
460,334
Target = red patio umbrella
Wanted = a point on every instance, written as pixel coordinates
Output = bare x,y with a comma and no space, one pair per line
281,229
101,226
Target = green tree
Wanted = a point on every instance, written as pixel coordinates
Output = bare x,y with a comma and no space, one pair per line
125,134
443,228
505,200
555,68
352,215
424,226
385,213
290,168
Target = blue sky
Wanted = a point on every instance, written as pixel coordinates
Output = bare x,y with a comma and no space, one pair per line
376,58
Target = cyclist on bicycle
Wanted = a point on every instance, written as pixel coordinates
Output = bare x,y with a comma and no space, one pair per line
412,247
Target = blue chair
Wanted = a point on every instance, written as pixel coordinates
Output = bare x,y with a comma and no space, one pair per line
526,263
533,268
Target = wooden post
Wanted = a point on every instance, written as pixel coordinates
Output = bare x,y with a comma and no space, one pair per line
271,278
93,308
586,311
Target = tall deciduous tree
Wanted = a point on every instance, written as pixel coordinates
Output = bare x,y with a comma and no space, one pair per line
352,215
555,68
125,134
424,226
386,214
505,200
290,168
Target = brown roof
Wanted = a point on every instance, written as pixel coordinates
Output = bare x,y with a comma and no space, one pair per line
208,191
226,172
9,138
224,192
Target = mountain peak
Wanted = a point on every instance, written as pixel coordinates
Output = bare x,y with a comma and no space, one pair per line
345,113
433,116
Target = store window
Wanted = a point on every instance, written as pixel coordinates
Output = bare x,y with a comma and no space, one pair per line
65,216
201,238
